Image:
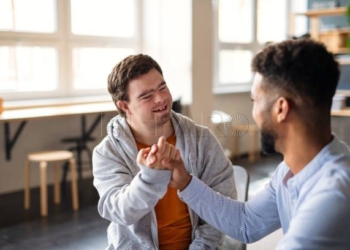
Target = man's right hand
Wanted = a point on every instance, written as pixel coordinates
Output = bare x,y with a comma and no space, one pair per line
165,156
152,157
180,178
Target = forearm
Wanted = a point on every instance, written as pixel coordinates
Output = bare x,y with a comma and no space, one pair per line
236,219
128,204
125,198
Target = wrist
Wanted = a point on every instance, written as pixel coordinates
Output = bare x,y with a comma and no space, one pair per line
185,183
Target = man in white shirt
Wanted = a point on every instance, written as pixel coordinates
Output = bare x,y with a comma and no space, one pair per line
309,193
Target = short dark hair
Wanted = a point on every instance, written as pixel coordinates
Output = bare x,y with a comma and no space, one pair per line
128,69
302,68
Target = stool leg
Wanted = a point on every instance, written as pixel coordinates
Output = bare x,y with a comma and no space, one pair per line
43,188
256,139
73,172
236,147
57,190
27,185
251,145
253,142
79,162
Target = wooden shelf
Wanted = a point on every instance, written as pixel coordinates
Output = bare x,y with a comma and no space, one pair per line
324,12
334,39
340,50
333,31
341,112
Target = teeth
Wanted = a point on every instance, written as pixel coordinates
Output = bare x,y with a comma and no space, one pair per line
161,109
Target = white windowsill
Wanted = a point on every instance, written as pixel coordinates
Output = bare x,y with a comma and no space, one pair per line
232,89
8,105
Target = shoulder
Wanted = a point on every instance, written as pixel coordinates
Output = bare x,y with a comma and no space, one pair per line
105,147
335,176
189,127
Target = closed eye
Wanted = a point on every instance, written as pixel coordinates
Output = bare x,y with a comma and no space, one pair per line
146,97
162,86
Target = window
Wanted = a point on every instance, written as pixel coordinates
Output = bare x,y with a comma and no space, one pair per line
56,48
242,28
168,39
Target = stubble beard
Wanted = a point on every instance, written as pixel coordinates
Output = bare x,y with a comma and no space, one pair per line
268,140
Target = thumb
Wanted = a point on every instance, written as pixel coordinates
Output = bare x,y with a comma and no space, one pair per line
154,149
141,156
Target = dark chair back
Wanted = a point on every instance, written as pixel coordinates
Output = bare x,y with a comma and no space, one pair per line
177,106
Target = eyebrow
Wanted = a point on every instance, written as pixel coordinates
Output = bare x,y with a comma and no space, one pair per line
150,90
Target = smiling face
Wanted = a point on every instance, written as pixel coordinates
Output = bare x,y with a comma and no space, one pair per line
150,102
262,105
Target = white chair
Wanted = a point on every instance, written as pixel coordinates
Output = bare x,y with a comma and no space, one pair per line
241,177
242,182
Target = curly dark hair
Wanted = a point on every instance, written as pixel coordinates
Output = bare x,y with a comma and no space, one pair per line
128,69
300,69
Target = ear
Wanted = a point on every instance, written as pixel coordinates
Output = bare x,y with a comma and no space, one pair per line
123,106
281,109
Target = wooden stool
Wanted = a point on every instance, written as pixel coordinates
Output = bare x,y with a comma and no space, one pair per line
43,158
253,152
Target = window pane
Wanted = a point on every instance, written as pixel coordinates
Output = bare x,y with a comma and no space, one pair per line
91,66
28,68
235,21
28,15
103,17
270,30
234,66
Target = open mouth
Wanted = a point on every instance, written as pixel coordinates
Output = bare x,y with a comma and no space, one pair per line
161,109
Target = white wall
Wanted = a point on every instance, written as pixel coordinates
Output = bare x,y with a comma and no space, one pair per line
204,102
202,58
46,134
40,135
167,38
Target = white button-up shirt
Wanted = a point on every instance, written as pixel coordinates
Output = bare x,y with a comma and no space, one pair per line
312,207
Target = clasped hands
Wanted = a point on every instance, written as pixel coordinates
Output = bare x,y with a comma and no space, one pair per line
164,156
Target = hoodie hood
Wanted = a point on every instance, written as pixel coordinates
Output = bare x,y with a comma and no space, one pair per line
119,132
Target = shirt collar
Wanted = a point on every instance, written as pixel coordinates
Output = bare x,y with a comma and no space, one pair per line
331,150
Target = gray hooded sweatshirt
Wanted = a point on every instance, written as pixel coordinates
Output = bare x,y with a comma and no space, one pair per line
129,192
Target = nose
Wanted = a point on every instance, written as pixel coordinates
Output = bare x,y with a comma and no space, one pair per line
158,97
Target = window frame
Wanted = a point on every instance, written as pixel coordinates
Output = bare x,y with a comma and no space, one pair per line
254,46
64,41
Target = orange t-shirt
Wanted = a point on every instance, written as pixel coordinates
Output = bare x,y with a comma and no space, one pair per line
173,219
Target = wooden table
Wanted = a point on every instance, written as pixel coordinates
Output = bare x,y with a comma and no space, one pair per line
341,112
25,114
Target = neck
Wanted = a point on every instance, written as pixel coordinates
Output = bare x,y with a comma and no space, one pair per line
302,146
150,135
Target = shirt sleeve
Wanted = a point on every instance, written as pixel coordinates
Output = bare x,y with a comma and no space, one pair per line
215,170
125,199
246,222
